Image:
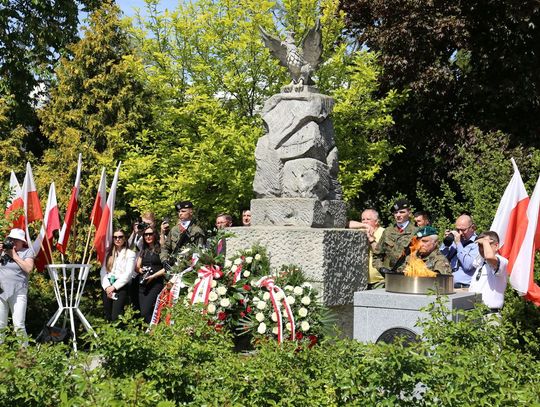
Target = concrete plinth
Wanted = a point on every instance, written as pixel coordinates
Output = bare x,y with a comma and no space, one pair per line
335,261
378,315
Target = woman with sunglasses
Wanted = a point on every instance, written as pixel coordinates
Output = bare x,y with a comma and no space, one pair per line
151,272
115,276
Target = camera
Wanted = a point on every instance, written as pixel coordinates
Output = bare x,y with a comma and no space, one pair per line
146,272
448,240
9,244
141,226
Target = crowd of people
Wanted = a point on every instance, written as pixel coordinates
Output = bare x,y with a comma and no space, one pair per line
471,258
135,266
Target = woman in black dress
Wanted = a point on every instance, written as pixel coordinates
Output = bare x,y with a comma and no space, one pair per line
152,273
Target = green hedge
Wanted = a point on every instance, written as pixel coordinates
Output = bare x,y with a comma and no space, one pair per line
477,361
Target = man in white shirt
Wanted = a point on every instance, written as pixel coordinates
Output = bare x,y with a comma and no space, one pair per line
490,277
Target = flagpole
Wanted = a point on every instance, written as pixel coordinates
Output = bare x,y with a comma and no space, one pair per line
88,240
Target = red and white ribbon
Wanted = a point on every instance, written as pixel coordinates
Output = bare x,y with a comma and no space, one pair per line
273,289
238,271
202,288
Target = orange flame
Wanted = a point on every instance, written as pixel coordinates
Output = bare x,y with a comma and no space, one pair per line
416,266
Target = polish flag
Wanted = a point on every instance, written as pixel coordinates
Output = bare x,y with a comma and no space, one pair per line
15,202
71,211
522,256
512,210
43,244
32,207
101,198
103,237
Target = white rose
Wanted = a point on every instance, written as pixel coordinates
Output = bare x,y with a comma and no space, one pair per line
225,302
307,285
259,316
228,263
221,290
275,330
289,288
249,260
279,295
302,312
290,300
257,257
261,305
306,300
288,325
298,291
212,296
305,326
262,328
256,299
238,261
197,280
214,284
247,273
274,317
266,296
211,308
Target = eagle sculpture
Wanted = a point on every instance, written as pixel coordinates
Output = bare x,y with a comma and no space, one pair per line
300,61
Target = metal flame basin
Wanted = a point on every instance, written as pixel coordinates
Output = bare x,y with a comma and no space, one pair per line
400,283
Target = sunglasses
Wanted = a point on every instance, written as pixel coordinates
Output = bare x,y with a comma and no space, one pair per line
148,234
118,237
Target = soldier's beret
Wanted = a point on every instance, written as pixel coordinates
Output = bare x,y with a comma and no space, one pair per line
183,205
426,231
401,204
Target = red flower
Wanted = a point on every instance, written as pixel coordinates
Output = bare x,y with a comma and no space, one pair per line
241,302
218,327
210,322
246,287
248,309
312,341
242,314
299,336
222,316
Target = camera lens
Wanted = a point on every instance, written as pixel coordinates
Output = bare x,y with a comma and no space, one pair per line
448,240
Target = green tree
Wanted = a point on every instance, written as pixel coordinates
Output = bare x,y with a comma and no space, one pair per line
465,65
208,64
33,34
98,108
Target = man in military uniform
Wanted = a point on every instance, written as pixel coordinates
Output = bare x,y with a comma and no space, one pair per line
185,232
428,251
394,238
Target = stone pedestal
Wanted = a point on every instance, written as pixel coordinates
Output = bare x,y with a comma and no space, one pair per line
379,315
303,212
335,261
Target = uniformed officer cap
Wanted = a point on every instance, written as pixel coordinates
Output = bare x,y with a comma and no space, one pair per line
426,231
401,204
183,205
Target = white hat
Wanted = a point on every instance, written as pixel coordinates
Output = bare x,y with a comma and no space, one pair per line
17,234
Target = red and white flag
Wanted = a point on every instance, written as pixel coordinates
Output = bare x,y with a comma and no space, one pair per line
51,222
103,237
15,202
101,199
32,207
71,211
512,209
522,256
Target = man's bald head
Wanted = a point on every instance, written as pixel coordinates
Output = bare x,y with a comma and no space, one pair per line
465,226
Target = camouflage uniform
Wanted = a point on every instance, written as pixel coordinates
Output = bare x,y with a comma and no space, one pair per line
177,238
437,262
390,247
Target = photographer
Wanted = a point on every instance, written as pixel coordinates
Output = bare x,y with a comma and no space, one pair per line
16,262
151,273
135,241
115,276
458,248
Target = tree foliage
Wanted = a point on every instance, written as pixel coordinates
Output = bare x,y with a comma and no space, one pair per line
465,64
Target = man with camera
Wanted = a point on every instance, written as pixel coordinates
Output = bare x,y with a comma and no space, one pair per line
394,238
460,251
16,263
185,232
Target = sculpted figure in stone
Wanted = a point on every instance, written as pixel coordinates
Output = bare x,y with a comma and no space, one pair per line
300,61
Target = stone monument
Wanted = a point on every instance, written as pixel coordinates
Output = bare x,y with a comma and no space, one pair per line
298,213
